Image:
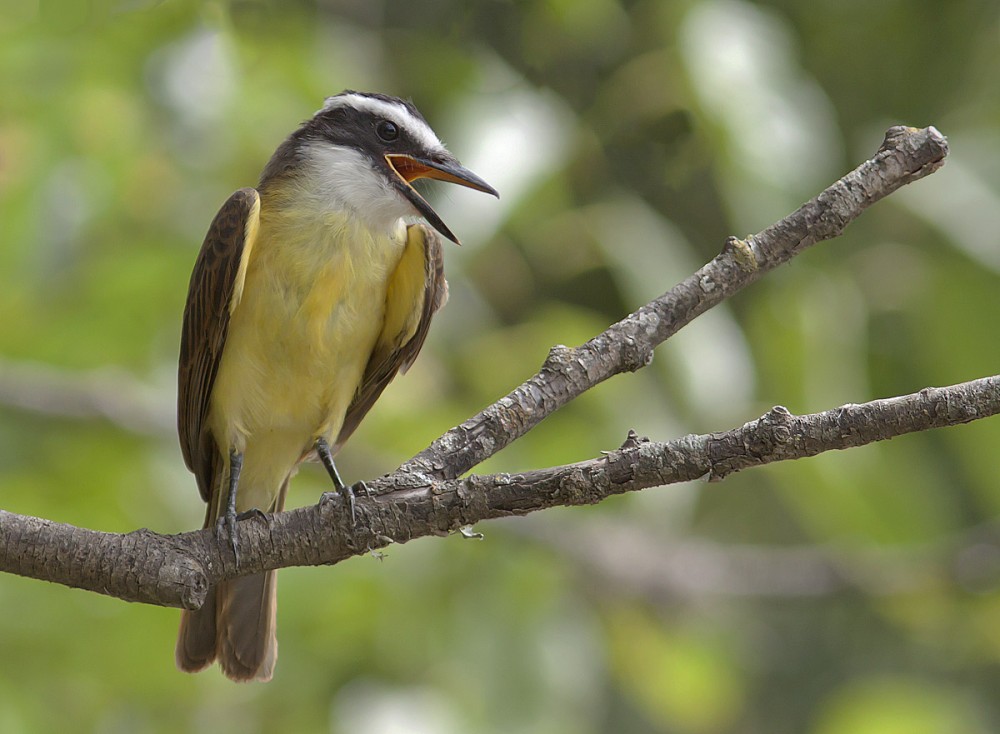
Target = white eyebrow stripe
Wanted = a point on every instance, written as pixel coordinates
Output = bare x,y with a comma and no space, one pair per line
389,110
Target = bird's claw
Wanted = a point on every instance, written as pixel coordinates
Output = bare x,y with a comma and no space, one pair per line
347,493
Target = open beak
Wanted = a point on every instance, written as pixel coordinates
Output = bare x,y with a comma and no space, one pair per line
409,168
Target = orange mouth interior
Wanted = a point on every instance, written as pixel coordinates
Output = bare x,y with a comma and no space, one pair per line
407,168
410,169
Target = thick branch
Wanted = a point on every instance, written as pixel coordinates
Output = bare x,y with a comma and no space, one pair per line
907,154
177,570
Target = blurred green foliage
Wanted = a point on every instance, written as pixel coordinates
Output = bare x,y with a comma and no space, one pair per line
628,139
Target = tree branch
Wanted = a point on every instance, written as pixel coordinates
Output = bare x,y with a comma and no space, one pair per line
906,155
424,498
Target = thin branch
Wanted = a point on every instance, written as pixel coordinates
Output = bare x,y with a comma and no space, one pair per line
177,570
906,155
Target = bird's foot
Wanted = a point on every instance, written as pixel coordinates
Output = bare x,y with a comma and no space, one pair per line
347,493
226,528
229,518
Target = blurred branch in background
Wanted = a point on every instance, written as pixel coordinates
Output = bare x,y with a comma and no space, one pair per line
107,393
641,563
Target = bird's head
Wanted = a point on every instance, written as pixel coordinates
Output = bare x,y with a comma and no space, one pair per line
362,152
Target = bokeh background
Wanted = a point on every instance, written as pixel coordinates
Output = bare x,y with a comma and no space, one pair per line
853,593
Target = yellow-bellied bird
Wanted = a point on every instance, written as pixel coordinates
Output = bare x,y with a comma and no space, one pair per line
309,294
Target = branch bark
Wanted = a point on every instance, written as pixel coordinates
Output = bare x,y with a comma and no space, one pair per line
424,497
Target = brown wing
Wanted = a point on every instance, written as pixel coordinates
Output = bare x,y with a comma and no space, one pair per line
215,290
416,290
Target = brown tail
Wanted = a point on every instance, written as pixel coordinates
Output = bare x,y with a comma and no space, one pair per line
236,625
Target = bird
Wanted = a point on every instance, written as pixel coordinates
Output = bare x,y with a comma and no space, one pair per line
309,294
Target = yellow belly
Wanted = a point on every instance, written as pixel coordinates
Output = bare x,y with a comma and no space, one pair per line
312,308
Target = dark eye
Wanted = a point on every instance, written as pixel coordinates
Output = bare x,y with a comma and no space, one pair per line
387,131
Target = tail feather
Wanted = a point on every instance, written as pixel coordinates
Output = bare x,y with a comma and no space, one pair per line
235,625
247,646
196,639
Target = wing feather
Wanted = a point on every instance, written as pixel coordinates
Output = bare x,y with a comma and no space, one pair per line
215,291
416,291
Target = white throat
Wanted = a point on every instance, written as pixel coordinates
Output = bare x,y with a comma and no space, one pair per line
341,178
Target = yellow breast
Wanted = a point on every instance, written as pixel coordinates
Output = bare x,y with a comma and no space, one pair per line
312,307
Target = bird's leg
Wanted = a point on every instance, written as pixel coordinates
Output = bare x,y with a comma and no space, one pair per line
326,456
229,518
